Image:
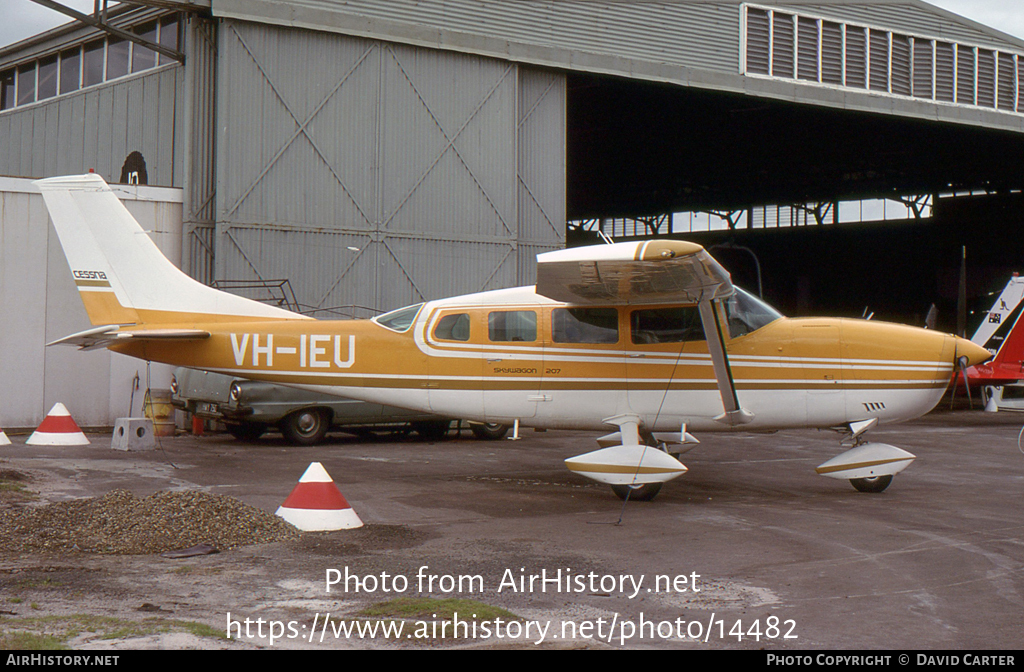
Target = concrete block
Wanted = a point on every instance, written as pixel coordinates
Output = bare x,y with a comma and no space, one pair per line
133,434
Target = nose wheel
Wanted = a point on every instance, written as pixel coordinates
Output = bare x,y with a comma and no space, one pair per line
872,484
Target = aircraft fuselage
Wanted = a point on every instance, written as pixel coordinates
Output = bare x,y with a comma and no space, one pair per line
511,354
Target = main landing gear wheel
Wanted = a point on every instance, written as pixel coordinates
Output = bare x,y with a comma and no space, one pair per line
637,493
872,484
306,427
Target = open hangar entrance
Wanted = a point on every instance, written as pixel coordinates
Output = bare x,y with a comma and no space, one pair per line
639,151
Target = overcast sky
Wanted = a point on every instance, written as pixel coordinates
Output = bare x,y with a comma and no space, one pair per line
23,18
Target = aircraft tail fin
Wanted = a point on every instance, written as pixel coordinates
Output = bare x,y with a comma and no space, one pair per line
121,275
1002,330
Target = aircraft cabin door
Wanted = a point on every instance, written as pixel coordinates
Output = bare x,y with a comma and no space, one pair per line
665,352
454,364
513,363
584,364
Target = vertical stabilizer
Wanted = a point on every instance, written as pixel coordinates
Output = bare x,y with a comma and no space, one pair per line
121,275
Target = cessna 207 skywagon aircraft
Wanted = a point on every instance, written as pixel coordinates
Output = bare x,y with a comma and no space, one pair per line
650,336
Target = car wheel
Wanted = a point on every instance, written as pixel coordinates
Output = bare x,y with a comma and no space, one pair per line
306,427
489,431
247,431
433,430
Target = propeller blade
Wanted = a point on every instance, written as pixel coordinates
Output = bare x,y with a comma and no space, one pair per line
962,363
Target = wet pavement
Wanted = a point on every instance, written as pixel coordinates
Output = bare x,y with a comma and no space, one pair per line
749,549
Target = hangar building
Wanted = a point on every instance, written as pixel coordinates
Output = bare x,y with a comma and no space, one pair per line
378,153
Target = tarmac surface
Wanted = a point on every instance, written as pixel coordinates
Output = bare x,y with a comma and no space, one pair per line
750,549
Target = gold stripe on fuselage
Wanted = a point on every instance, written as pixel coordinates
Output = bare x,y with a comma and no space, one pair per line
788,354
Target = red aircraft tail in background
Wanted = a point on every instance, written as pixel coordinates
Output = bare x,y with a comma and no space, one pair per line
1002,333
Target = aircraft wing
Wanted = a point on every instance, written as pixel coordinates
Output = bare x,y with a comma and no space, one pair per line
648,272
101,337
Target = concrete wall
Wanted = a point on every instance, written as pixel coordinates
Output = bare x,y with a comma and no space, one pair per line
39,304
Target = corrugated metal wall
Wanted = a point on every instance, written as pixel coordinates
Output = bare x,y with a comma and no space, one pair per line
197,124
39,303
96,128
693,34
375,175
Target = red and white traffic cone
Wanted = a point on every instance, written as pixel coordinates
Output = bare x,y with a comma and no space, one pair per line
316,504
58,428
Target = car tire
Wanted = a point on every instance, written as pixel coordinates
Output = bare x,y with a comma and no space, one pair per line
432,430
490,431
306,427
247,431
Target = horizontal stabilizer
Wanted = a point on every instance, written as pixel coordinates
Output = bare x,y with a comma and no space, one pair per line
101,337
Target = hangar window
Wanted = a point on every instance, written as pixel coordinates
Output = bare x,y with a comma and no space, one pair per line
782,44
144,58
27,84
88,64
169,38
453,328
94,60
117,57
512,325
70,70
6,89
47,87
585,325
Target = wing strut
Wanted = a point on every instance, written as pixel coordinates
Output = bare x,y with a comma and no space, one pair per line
713,333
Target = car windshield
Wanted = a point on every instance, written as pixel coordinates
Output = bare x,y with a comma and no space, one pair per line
747,313
399,320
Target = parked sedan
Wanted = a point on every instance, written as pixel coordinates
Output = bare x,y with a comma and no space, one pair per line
250,408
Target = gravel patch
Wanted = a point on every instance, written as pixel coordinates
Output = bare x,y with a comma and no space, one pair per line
119,523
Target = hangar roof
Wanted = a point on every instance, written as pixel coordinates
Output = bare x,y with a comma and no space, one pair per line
704,44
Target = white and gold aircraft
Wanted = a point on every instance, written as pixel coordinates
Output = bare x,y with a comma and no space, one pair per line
651,337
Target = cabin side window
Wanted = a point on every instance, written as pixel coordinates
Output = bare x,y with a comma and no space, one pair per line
747,313
666,325
512,325
585,325
453,328
401,319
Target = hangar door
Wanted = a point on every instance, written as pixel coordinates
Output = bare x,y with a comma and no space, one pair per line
376,175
